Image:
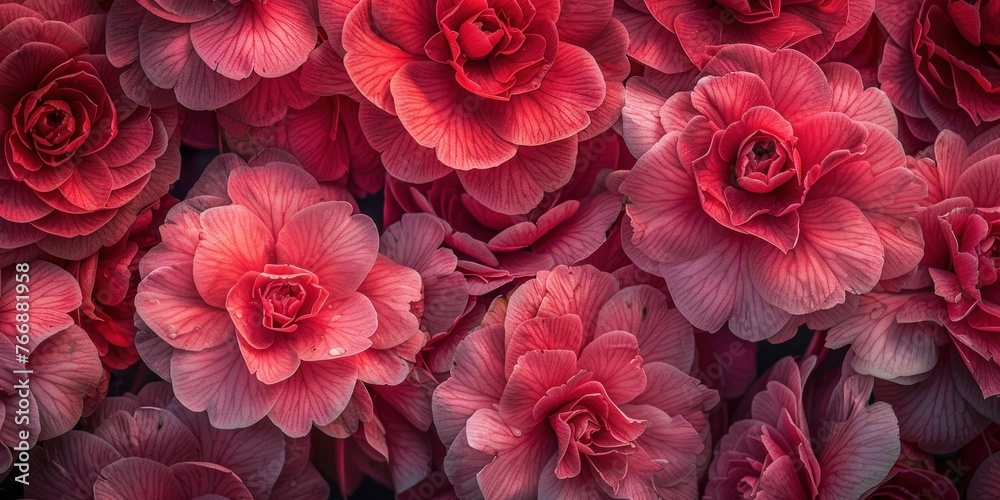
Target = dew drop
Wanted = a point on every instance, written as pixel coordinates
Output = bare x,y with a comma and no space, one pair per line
337,351
172,328
154,302
517,432
172,336
239,315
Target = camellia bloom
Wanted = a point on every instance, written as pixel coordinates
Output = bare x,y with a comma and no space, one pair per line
266,298
575,386
80,158
207,55
497,91
673,37
494,249
774,189
779,451
941,66
63,367
150,446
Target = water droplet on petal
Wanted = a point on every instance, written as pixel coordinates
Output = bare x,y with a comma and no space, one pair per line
239,315
337,351
172,336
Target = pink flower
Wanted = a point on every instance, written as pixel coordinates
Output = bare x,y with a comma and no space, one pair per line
108,281
63,365
778,451
497,91
149,446
267,299
80,158
673,37
941,64
575,386
494,248
206,55
747,196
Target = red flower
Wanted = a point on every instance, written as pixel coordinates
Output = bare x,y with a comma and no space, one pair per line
941,66
745,198
266,299
575,385
498,91
80,158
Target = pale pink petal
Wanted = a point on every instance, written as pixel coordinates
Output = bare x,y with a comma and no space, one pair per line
149,433
535,374
393,290
838,251
558,333
370,60
327,240
168,302
234,241
217,380
858,453
662,332
66,368
614,360
317,393
273,192
519,459
477,381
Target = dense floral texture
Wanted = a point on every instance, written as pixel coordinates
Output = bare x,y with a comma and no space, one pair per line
941,66
80,158
319,124
497,91
835,448
775,188
929,337
207,55
575,386
266,298
494,248
149,446
63,366
108,281
673,36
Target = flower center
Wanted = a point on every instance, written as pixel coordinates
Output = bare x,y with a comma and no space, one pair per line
287,295
762,165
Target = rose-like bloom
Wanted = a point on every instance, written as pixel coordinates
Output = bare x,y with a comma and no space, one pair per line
941,66
62,363
913,476
497,91
933,339
673,37
80,158
206,55
108,281
495,248
772,190
844,450
151,446
575,385
265,298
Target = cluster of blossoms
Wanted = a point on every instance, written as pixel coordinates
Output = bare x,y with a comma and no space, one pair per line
501,249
